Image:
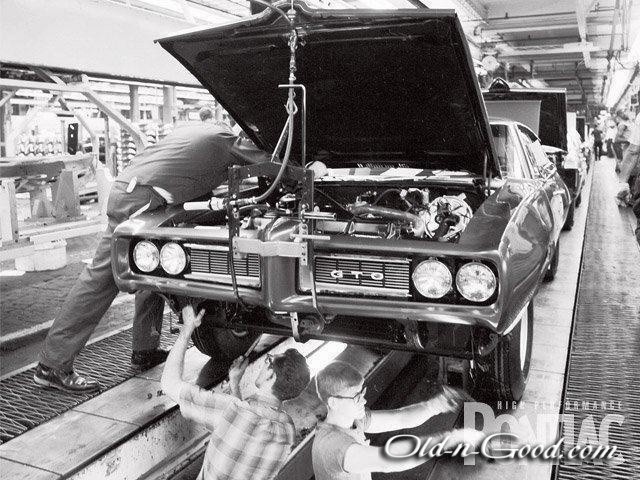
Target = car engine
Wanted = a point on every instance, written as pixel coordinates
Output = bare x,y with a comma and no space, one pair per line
431,214
392,213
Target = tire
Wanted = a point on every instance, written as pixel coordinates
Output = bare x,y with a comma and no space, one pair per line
502,374
221,343
553,265
568,223
578,200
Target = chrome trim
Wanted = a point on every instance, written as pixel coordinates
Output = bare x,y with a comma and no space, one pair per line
198,246
364,291
372,258
226,279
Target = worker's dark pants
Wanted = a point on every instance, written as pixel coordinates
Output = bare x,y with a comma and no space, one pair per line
95,289
597,150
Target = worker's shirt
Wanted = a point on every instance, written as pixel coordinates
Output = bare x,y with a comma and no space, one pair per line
330,447
250,438
624,131
191,161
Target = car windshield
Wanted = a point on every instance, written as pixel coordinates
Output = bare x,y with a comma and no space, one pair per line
508,151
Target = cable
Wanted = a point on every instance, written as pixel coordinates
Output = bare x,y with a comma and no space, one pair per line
384,194
335,202
275,9
248,201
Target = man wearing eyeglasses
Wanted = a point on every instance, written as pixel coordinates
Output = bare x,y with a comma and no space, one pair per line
340,450
250,438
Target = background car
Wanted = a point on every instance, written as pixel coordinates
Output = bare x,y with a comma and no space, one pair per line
544,111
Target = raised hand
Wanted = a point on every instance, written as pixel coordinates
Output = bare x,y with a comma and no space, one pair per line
189,317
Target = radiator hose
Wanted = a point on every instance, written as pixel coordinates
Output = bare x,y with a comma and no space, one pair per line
419,226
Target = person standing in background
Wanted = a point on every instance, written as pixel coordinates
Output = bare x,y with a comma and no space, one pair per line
597,141
623,136
609,137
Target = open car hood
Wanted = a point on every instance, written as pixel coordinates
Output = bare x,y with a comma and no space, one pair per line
382,86
520,104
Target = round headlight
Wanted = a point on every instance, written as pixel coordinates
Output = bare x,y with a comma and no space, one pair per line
476,282
432,279
146,256
172,258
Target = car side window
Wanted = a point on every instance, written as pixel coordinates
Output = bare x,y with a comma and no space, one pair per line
539,160
509,153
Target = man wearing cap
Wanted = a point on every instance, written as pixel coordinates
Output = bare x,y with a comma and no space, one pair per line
185,165
250,438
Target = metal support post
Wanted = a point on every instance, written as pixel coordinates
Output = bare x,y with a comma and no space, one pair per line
8,211
168,104
134,104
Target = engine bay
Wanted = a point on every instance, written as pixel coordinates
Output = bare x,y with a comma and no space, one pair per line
389,210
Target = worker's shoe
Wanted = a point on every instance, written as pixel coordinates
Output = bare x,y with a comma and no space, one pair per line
66,381
145,359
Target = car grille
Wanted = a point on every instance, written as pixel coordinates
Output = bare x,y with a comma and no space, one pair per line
362,276
211,263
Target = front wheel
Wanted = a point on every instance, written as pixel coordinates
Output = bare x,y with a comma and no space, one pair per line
568,223
578,200
502,374
553,265
221,343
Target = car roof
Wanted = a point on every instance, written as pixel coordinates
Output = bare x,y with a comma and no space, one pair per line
501,120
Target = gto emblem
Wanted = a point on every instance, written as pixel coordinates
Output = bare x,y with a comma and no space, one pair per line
356,274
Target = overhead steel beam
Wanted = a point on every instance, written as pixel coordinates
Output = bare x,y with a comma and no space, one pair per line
243,10
12,84
138,137
564,49
544,21
84,89
564,75
49,77
543,58
529,28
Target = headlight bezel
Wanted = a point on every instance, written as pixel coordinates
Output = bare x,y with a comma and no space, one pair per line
184,259
141,244
437,263
484,266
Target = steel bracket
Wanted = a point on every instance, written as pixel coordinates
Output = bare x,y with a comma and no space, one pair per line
295,326
242,246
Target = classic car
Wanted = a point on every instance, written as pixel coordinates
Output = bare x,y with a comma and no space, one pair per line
544,110
418,225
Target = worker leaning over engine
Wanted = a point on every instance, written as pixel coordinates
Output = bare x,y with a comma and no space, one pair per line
185,165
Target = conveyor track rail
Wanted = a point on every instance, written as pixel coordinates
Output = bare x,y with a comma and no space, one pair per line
604,358
23,405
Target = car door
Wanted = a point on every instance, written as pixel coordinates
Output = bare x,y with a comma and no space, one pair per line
544,170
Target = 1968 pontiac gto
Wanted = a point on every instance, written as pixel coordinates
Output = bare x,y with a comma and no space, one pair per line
419,225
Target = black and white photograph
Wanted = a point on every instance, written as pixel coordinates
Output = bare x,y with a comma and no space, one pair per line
319,239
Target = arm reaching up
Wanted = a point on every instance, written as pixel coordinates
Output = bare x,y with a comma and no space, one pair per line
238,367
172,375
413,415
